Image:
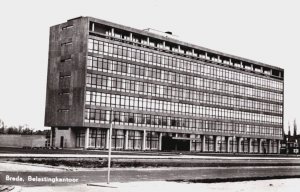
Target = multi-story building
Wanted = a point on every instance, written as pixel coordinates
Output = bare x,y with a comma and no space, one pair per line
159,93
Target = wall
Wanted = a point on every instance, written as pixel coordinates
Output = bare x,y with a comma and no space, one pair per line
22,140
69,137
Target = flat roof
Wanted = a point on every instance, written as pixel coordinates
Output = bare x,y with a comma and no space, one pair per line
172,40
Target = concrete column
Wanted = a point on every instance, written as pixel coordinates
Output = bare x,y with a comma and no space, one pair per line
130,35
159,141
148,40
270,146
203,143
215,143
262,146
68,142
126,140
56,138
239,145
259,145
227,144
112,31
107,139
51,137
233,143
191,143
220,142
250,150
87,138
278,146
93,26
144,141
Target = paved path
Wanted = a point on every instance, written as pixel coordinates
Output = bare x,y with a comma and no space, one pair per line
282,185
17,155
9,150
23,167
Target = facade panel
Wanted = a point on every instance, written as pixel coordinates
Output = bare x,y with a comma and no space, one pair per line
66,74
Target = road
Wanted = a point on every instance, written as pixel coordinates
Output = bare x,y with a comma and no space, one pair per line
157,174
189,167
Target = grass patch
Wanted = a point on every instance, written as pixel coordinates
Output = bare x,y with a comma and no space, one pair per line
123,163
67,163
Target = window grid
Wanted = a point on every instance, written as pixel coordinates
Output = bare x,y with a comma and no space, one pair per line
136,103
99,47
145,88
180,123
123,68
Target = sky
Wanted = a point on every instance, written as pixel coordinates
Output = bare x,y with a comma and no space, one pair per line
262,30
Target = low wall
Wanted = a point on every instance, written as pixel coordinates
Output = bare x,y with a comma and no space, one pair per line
22,140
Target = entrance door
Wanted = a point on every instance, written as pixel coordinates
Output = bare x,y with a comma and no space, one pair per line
183,145
62,142
170,144
167,144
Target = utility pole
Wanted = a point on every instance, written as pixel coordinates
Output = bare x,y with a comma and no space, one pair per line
295,129
109,145
289,132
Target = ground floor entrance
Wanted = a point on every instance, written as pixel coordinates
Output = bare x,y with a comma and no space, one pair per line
173,144
97,138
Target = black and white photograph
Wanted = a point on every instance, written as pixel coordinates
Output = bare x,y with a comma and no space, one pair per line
141,95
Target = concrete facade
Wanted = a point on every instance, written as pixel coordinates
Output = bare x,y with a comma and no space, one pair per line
66,74
159,93
65,138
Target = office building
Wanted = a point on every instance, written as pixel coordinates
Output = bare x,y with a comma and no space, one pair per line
159,93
